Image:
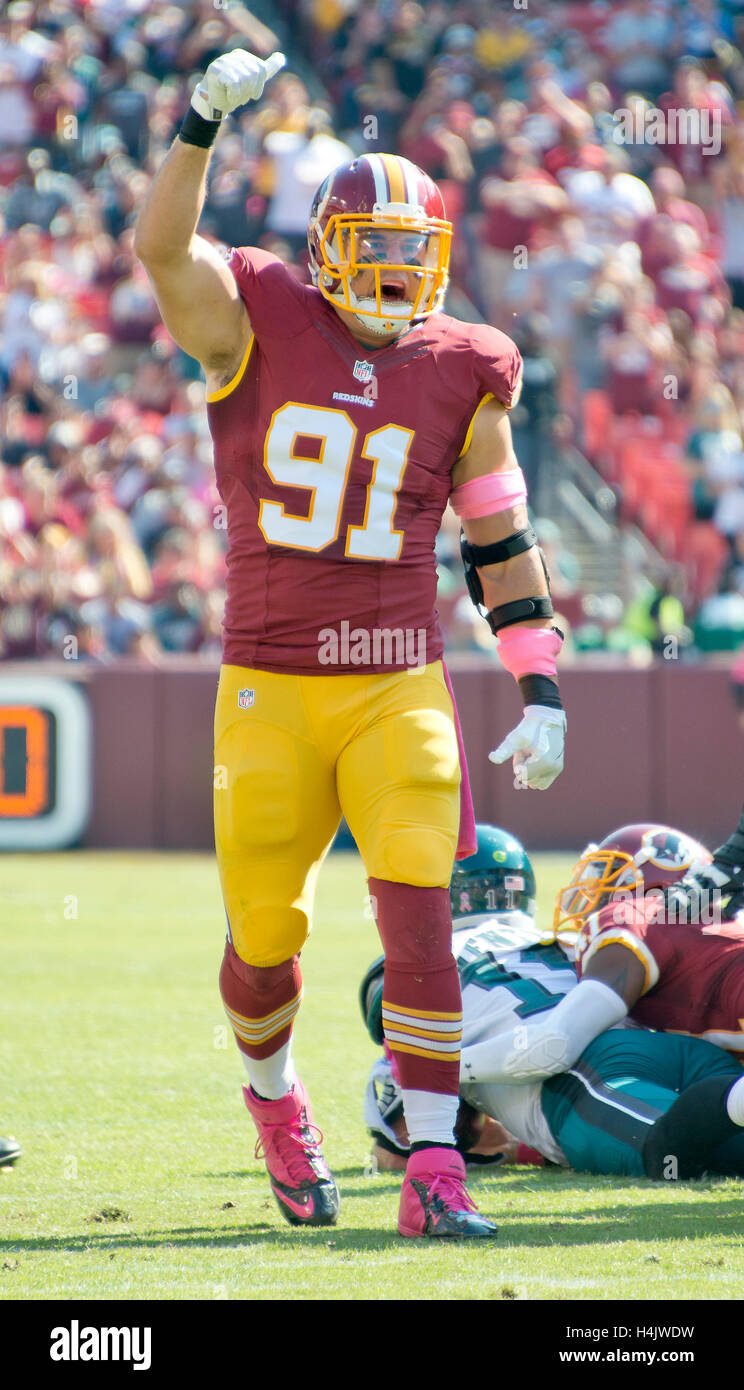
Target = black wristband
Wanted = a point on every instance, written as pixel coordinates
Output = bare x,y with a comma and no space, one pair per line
196,131
539,690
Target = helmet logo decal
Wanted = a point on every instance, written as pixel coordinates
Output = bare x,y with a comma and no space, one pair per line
666,850
464,901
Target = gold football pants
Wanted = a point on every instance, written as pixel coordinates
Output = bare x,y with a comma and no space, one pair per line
292,753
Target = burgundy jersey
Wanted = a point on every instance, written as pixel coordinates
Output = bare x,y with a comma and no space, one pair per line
694,975
334,464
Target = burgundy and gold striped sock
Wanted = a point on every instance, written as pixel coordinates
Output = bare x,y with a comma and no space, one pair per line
422,1006
261,1003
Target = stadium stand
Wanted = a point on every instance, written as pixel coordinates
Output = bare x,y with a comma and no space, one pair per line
627,296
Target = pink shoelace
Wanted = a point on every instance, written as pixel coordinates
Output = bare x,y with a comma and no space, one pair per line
289,1144
452,1192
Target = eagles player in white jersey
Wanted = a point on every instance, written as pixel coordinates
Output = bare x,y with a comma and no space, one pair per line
612,1112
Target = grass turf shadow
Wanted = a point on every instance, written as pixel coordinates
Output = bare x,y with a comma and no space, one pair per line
652,1224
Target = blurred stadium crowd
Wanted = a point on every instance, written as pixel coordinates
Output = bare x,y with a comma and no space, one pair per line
626,294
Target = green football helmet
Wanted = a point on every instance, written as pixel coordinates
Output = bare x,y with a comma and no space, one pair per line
370,1000
497,878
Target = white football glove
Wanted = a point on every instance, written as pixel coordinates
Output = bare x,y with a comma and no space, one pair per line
232,80
535,746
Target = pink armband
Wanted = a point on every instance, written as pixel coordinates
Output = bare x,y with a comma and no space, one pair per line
529,651
494,492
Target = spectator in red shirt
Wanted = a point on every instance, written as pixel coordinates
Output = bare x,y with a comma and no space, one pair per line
668,188
516,206
689,276
696,114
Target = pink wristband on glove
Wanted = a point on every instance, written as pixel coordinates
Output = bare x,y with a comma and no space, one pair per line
529,651
494,492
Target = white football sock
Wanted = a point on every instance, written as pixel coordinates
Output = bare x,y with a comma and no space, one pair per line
430,1118
735,1102
272,1077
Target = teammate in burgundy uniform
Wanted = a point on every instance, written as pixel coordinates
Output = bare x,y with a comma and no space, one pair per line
636,960
344,415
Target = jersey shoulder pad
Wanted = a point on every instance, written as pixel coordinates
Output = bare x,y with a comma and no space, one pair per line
277,303
481,361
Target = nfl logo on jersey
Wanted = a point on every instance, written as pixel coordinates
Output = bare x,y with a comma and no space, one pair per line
246,698
363,371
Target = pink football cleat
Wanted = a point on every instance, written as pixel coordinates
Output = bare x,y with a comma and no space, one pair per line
290,1143
434,1200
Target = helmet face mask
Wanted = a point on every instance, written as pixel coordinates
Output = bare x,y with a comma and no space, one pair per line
598,875
347,246
358,228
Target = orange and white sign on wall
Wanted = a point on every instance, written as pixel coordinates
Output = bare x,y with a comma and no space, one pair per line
44,763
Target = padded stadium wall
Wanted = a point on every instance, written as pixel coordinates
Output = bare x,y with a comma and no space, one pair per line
661,743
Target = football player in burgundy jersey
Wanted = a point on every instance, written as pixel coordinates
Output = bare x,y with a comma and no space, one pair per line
344,416
635,959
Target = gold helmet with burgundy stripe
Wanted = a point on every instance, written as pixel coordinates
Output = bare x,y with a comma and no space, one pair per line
383,214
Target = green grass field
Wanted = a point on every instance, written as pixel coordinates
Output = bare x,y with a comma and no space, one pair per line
138,1178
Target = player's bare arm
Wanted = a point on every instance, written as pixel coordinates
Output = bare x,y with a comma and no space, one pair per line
196,292
491,452
508,581
620,969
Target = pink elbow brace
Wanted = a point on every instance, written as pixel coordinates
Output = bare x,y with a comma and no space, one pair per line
530,651
494,492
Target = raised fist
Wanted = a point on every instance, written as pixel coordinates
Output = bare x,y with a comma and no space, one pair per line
232,80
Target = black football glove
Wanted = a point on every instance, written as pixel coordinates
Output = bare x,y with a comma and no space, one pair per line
707,886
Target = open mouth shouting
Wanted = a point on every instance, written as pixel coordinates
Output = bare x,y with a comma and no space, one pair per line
394,289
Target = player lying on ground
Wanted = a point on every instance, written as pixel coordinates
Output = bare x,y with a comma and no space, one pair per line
633,962
610,1113
344,417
